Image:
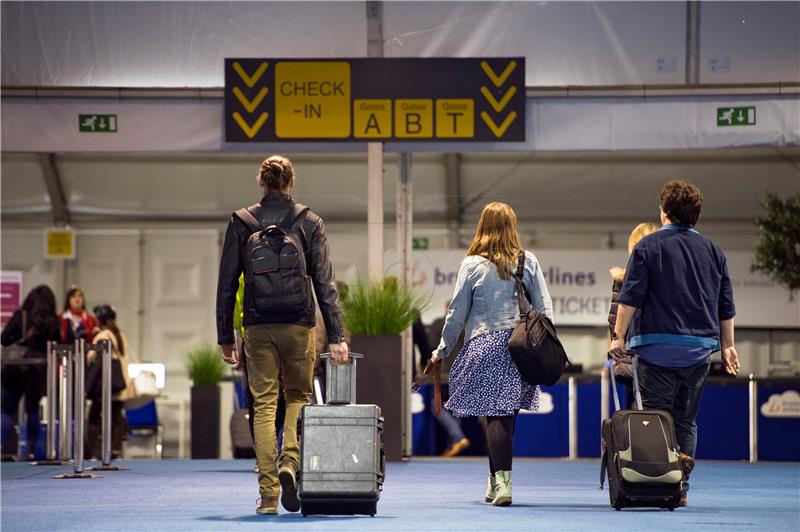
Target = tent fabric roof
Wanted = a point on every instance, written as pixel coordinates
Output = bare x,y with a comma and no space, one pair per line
183,44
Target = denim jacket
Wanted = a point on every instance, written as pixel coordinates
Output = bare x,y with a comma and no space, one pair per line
483,302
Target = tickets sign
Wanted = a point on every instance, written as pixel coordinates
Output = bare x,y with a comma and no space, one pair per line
373,99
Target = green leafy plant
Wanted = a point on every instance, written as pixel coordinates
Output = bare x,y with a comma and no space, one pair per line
380,308
778,250
205,365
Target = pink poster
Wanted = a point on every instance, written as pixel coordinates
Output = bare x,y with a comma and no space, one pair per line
10,294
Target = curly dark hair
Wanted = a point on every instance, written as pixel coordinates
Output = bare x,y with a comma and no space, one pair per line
681,202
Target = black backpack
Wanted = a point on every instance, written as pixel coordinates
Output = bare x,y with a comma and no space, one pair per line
277,284
534,344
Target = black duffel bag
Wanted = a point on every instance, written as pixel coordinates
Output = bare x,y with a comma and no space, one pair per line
534,344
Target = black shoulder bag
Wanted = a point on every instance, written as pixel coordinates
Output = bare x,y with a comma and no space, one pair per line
534,344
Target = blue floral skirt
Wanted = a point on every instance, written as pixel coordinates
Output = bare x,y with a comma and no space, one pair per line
484,381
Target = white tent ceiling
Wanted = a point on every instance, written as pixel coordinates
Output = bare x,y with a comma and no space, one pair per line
562,187
183,44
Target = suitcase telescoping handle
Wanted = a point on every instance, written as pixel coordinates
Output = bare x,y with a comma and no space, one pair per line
340,388
327,356
636,392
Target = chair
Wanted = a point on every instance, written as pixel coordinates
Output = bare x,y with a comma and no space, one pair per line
143,422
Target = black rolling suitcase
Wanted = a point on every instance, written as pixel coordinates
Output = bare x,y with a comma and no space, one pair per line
342,461
640,455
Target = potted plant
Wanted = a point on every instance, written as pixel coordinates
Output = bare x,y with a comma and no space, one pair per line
206,369
375,315
778,251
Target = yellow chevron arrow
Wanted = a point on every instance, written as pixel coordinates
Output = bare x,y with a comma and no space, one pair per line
497,106
250,106
498,131
498,80
250,81
250,131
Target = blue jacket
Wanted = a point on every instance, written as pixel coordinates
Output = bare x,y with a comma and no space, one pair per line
678,279
483,302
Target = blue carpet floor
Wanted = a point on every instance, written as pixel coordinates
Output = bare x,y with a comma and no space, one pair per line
420,495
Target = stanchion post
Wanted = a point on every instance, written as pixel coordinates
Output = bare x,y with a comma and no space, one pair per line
753,415
63,413
106,402
79,407
573,418
53,405
107,354
52,386
79,395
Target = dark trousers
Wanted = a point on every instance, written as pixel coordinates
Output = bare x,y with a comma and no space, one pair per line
677,391
10,398
94,432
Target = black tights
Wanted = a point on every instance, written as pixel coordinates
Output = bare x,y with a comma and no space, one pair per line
500,437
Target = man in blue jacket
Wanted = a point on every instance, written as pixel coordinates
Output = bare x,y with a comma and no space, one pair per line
675,309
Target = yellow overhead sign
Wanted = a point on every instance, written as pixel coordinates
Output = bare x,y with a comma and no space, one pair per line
312,100
269,100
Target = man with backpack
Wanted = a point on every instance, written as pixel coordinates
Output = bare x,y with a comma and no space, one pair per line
281,247
675,309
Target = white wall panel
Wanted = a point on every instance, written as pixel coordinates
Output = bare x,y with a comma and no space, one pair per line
180,298
107,268
759,41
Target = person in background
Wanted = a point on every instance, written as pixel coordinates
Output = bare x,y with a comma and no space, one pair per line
33,325
280,415
76,322
456,440
108,330
675,309
622,369
484,381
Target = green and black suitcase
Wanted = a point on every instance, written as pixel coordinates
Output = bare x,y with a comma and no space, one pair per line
640,454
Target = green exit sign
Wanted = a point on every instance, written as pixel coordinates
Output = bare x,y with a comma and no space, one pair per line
419,242
736,116
97,123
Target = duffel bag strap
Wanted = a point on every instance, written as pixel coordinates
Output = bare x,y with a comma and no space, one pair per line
436,368
520,285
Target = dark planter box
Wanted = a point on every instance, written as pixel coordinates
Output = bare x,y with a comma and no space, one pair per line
205,421
379,381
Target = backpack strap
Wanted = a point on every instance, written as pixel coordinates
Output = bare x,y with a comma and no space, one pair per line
521,290
293,216
248,219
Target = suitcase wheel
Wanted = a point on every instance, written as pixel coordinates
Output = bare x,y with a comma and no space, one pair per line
671,508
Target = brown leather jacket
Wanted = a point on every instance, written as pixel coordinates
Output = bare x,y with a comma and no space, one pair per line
271,210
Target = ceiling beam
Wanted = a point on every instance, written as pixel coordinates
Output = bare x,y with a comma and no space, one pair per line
55,188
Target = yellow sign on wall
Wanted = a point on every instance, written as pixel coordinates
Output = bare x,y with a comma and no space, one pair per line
59,244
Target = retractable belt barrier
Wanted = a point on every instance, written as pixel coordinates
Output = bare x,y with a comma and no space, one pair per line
66,396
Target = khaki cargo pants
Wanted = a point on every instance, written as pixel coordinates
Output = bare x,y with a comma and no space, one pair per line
272,350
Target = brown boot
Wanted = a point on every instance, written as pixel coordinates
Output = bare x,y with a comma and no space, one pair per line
267,506
287,475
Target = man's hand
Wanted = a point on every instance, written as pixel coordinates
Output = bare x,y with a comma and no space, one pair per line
731,360
338,352
617,350
435,357
229,354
